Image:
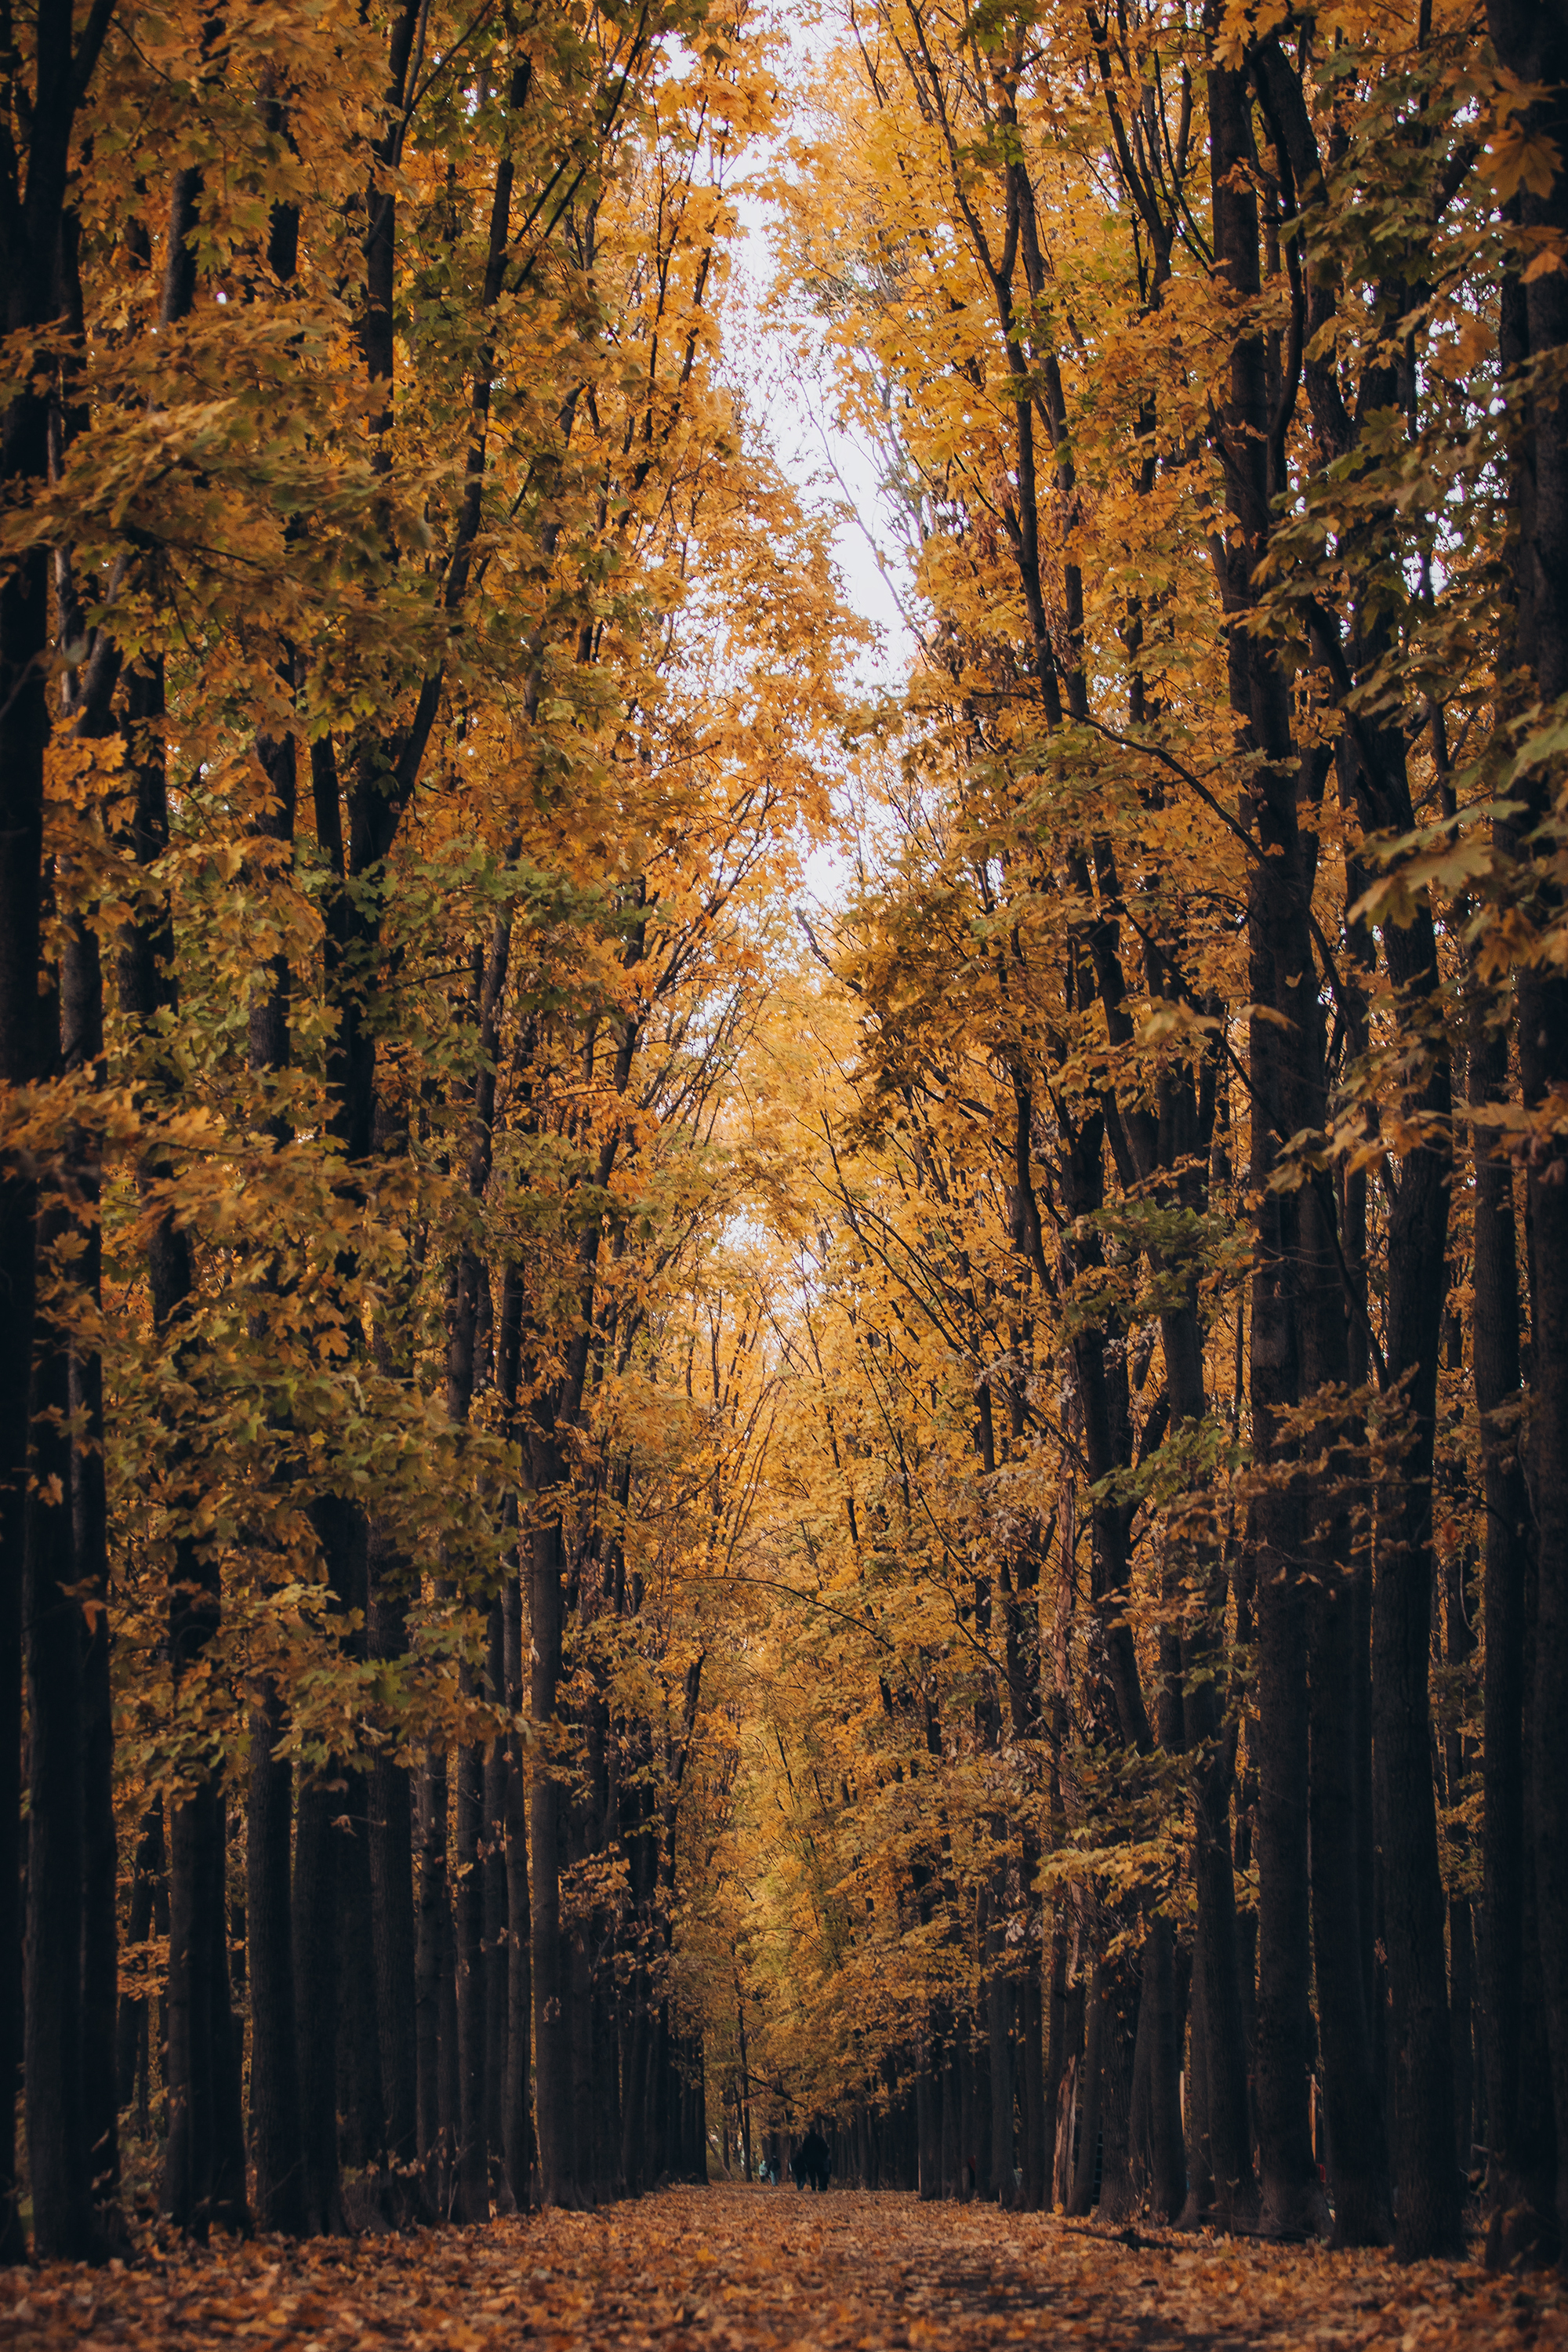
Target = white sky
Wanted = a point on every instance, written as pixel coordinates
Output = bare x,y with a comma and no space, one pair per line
829,466
833,470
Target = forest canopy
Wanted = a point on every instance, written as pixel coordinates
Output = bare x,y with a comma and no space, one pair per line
733,1401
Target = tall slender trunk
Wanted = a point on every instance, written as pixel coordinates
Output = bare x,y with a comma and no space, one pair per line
1285,1078
276,2145
1081,2198
1217,1965
1427,2221
1335,1359
496,1907
517,2120
1496,1369
1031,1997
430,1929
468,1920
146,1877
999,2008
33,227
315,1843
1200,2168
1459,1644
391,1840
1357,2142
361,2107
1533,43
57,2143
276,2141
81,1039
230,2196
557,2151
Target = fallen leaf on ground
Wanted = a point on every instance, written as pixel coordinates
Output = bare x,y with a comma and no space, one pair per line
716,2270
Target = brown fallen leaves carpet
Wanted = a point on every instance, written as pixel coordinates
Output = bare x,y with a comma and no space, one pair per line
706,2271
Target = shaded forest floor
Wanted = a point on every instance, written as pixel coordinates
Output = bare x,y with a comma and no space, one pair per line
691,2269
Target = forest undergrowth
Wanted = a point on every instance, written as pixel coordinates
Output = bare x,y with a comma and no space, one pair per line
728,2268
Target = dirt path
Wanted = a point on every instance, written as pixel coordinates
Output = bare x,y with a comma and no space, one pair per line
721,2269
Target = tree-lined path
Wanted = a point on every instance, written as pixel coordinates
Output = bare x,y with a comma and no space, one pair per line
755,2270
749,1385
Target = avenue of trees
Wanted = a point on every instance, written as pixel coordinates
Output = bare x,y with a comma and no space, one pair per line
632,1513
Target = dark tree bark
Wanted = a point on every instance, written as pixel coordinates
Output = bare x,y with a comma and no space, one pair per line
1118,2200
496,1921
57,2142
557,2148
1200,2170
1216,1969
316,1845
1498,1400
1159,2025
516,2119
1427,2221
360,2108
276,2141
276,2122
190,2083
1459,1644
1532,42
391,1841
82,1038
1080,2199
1357,2141
230,2201
433,1934
1032,2053
1061,2061
1285,1076
999,2041
468,1920
35,189
147,1878
148,990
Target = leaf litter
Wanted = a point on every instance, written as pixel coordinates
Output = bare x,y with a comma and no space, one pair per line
694,2270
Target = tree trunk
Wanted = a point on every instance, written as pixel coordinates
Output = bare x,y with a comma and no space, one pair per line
1353,2100
1200,2170
146,1875
275,2141
82,1047
1533,44
1118,2198
1167,2164
360,2102
434,1933
553,2063
188,2080
57,2143
497,1909
391,1840
1496,1369
1086,2161
517,2124
316,1844
1284,1075
1427,2221
230,2203
1217,1972
1036,2158
467,1921
31,238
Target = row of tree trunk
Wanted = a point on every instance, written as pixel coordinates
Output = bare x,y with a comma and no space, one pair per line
1364,1976
370,1962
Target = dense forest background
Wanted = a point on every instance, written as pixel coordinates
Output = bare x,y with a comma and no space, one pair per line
642,1499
